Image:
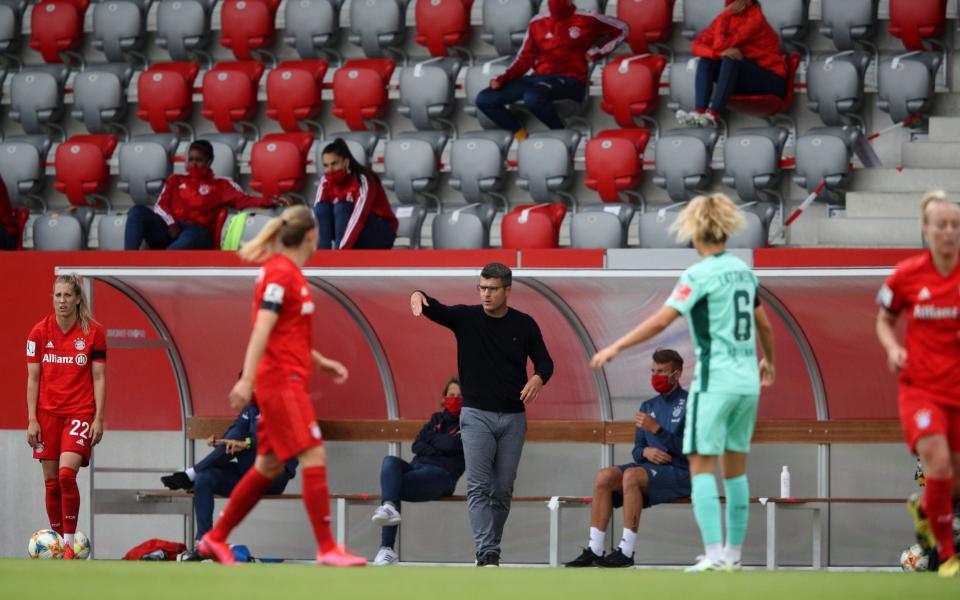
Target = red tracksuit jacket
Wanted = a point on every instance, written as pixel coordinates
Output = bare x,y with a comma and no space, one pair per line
198,200
370,199
749,32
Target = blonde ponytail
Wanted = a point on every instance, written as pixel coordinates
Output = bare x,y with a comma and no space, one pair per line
287,230
712,218
84,316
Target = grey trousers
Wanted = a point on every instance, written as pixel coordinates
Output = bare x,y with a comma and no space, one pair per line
492,444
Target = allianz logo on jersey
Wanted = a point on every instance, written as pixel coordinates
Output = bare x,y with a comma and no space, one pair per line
934,313
79,360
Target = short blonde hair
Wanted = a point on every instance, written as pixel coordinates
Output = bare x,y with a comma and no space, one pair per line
933,197
711,218
288,230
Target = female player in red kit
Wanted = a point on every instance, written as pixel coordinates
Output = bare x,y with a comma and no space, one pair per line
926,288
278,363
66,389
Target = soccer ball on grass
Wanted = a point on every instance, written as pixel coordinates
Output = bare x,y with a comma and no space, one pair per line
45,544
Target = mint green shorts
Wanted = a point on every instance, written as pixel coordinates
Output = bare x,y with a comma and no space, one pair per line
717,423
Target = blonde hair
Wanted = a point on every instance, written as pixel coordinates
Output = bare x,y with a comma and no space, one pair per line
287,230
932,197
84,316
712,218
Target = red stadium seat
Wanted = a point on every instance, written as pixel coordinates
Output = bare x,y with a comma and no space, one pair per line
916,20
82,168
230,93
442,23
360,90
248,25
20,217
533,226
767,106
650,22
165,93
293,92
631,87
615,162
278,163
57,26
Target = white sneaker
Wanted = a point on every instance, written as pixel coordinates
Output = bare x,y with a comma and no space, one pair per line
385,557
704,564
385,515
686,119
732,566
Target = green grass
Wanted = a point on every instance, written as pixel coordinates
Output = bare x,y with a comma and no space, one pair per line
105,580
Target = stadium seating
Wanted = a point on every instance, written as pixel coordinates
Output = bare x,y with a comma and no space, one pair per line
278,163
378,26
312,27
411,165
119,28
848,22
505,23
650,22
615,162
100,96
683,161
165,93
789,18
442,24
753,235
914,21
697,15
653,228
769,105
227,148
360,90
477,166
11,11
58,231
466,227
477,79
751,158
410,219
294,93
230,94
22,166
835,86
601,226
906,84
254,221
145,163
361,144
183,27
56,27
111,228
427,91
545,164
631,87
83,174
823,155
36,97
248,26
533,226
683,79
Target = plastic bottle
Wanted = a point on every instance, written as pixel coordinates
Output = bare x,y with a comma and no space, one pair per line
785,482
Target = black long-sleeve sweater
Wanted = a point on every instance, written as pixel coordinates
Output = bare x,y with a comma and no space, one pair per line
492,353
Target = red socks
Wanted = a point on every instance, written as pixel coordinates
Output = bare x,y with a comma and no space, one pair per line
70,500
316,498
938,507
244,497
54,511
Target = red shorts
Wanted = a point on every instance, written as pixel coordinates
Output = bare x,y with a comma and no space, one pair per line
287,424
922,414
64,434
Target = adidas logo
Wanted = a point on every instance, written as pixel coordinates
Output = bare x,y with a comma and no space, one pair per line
80,442
924,295
49,344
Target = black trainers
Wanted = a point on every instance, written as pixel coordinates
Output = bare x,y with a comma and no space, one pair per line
177,481
490,559
189,556
586,559
616,560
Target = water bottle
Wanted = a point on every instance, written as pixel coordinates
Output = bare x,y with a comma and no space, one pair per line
785,482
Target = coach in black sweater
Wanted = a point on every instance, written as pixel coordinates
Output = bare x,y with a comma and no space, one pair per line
493,344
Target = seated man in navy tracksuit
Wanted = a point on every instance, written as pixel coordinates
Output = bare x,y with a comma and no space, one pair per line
220,471
659,472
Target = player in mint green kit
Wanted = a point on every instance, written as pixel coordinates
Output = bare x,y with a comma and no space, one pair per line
718,296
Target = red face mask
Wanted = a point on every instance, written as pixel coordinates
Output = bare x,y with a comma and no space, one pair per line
661,383
561,9
198,172
453,404
337,177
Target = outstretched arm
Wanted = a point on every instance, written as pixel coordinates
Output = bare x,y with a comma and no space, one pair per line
650,327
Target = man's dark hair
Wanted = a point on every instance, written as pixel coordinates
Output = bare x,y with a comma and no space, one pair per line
665,355
205,147
498,271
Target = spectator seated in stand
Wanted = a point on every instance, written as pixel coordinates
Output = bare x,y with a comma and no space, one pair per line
8,220
351,206
739,55
437,465
185,215
659,472
557,47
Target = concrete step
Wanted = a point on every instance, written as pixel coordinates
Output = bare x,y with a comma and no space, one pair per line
931,155
869,232
885,205
944,129
905,180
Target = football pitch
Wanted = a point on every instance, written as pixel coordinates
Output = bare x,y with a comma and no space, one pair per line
107,580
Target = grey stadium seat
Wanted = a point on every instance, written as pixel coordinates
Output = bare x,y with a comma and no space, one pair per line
58,231
789,18
22,164
697,15
477,79
119,27
683,81
100,95
464,228
227,148
361,144
110,231
823,153
683,161
11,11
847,22
545,163
753,235
477,163
427,90
183,26
410,164
312,26
601,226
256,219
36,96
835,86
409,225
376,25
906,84
505,23
654,228
145,164
751,158
595,6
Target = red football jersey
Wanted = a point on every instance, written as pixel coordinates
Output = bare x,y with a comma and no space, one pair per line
66,375
931,303
282,289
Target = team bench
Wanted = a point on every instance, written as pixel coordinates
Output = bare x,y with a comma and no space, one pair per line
595,432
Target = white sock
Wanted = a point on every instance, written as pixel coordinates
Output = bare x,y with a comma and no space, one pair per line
191,474
732,553
597,537
714,552
68,539
628,542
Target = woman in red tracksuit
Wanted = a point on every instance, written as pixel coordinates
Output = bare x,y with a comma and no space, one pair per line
557,47
8,221
351,207
185,215
278,363
739,54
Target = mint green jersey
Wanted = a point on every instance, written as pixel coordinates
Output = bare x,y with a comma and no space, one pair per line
718,296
